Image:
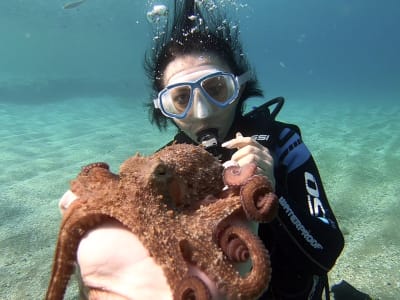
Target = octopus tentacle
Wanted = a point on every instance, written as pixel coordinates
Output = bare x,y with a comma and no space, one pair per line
233,247
191,287
253,284
86,169
65,258
234,176
258,199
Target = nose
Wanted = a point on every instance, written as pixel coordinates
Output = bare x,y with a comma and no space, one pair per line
201,106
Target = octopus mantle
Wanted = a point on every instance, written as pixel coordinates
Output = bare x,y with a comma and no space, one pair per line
173,201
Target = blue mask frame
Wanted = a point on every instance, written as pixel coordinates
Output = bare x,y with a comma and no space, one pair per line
237,80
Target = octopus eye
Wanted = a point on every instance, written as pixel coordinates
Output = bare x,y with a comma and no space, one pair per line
160,170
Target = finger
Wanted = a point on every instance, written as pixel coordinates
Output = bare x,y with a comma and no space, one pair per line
263,167
248,150
261,158
259,154
66,200
240,142
239,135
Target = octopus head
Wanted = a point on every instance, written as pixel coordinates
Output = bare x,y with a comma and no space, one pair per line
199,172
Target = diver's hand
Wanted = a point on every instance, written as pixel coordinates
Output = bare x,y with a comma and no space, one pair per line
249,150
114,264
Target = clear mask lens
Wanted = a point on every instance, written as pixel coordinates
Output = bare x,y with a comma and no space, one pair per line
220,88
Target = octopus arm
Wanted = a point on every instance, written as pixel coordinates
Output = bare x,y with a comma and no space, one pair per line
243,244
259,201
73,228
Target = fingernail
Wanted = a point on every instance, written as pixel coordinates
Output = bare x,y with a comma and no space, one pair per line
230,163
226,144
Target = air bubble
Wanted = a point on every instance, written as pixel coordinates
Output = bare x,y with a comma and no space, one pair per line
157,13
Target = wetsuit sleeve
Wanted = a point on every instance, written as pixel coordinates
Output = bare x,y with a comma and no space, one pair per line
304,211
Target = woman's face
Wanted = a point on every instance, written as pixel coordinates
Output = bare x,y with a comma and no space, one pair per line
203,114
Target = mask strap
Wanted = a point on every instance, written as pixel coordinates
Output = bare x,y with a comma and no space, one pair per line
246,76
156,103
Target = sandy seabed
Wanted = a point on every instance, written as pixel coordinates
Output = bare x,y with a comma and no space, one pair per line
43,146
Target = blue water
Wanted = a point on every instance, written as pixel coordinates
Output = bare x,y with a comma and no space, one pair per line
72,90
329,47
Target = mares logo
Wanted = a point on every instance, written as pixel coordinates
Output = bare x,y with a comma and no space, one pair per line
314,203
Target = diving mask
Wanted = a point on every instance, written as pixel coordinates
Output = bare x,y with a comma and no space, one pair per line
219,88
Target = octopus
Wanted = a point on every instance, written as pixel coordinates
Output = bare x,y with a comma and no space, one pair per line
176,203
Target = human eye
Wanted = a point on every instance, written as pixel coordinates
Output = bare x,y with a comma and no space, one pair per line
180,97
216,88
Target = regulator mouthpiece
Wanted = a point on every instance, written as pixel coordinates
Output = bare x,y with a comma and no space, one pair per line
209,140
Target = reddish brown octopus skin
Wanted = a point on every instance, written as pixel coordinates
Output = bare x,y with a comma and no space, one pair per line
235,176
173,202
259,201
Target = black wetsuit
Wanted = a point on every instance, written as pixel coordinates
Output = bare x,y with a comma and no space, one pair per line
305,240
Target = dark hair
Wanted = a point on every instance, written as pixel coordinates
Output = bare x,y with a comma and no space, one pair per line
194,29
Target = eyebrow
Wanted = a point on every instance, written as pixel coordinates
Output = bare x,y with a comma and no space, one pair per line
197,71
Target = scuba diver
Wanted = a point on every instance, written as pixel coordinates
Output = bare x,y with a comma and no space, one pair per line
201,80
